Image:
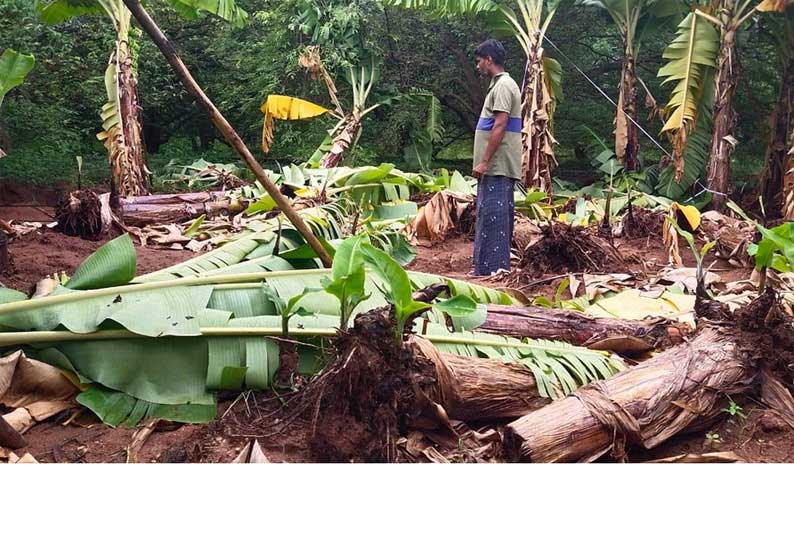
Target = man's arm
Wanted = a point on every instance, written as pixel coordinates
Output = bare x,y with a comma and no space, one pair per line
497,133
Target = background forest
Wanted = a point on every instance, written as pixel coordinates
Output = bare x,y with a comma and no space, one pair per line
53,117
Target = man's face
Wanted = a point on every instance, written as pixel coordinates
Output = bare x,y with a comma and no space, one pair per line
484,66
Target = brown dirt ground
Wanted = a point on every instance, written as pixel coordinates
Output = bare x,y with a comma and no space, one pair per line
38,254
758,438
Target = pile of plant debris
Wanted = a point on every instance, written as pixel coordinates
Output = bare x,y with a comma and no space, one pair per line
563,248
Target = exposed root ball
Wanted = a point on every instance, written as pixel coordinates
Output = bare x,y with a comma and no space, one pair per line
364,400
642,223
79,214
564,249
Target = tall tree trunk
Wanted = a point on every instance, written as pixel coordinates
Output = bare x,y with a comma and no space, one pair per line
627,137
722,140
780,126
128,166
788,184
122,134
539,160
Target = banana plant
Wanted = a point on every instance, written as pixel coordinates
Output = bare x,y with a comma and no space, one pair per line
692,61
14,67
542,75
347,131
730,16
634,20
346,282
779,161
774,250
121,125
692,56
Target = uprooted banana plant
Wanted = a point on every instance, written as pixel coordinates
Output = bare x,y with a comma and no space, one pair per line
161,346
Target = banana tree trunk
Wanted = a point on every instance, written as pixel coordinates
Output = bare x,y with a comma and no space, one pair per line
788,184
627,137
621,336
346,136
674,392
722,140
777,150
123,134
539,160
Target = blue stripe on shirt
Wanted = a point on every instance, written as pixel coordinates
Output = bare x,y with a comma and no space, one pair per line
486,125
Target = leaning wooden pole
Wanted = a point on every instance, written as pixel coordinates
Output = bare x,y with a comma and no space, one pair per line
220,122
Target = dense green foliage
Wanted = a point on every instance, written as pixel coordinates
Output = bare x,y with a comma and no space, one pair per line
53,118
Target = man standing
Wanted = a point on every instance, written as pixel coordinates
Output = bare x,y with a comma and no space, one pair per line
497,161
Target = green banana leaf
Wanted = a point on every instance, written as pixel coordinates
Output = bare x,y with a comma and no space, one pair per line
14,67
111,265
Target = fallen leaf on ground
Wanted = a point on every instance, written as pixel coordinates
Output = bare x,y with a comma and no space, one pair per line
638,305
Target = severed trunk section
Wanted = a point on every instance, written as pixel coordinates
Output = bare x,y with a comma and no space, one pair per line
645,405
537,137
722,139
621,336
627,137
377,390
86,214
471,389
176,208
122,133
777,158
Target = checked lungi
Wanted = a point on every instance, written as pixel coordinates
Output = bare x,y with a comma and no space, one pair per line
494,228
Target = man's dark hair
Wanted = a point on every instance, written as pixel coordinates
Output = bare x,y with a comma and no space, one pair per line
492,48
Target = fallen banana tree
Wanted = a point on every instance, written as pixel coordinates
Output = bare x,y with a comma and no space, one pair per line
614,334
221,322
679,390
88,214
371,193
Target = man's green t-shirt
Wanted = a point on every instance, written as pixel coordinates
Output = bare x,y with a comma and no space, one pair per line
503,95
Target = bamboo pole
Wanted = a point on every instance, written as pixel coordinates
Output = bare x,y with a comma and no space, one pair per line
169,52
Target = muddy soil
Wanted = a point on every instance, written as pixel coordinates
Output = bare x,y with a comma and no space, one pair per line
38,254
759,437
